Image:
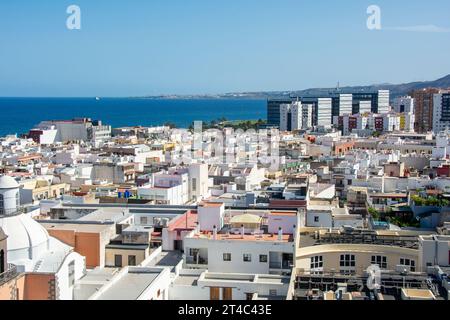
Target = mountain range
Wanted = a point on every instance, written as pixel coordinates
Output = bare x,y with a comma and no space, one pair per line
396,90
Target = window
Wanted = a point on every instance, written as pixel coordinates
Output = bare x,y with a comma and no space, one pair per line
381,261
71,273
263,258
347,260
227,257
316,219
17,200
131,260
408,262
249,296
316,262
144,220
194,184
118,260
247,257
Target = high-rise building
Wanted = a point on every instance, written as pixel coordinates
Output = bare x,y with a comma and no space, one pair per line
307,116
291,116
285,123
383,102
297,116
423,108
273,110
379,101
364,107
441,111
345,104
324,112
404,104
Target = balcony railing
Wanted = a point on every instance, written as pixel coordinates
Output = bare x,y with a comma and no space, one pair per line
194,260
281,265
9,274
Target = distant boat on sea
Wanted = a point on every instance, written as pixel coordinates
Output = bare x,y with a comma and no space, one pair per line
97,98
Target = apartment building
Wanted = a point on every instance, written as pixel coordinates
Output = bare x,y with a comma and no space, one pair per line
423,109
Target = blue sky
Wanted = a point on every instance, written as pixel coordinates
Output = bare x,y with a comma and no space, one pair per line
139,47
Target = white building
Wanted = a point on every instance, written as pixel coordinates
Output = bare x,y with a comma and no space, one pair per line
198,181
345,104
365,106
31,249
307,116
241,246
202,285
324,112
82,129
404,104
434,250
174,195
383,101
441,111
291,116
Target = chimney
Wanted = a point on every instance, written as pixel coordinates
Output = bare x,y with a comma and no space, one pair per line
280,234
214,233
242,231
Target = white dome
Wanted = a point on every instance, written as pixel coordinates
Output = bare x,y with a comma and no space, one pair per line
7,182
27,239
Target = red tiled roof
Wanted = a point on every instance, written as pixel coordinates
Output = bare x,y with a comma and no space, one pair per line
187,221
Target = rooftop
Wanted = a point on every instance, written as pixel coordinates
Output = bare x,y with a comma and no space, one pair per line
130,286
247,237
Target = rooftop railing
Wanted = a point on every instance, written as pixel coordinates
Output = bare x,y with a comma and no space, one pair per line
9,274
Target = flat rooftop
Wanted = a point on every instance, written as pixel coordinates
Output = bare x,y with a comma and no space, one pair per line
130,286
247,237
186,280
78,227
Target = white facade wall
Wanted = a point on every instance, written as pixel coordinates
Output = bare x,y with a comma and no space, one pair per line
198,181
383,101
365,107
434,251
171,196
210,216
48,136
286,223
216,249
324,112
284,110
319,219
297,116
405,103
345,104
307,116
64,285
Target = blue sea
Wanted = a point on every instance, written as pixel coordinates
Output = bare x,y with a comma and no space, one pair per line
19,115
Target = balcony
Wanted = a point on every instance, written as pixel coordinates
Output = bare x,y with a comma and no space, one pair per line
197,261
9,274
281,265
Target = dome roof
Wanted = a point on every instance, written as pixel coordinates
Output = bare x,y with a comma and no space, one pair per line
7,182
23,232
246,218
